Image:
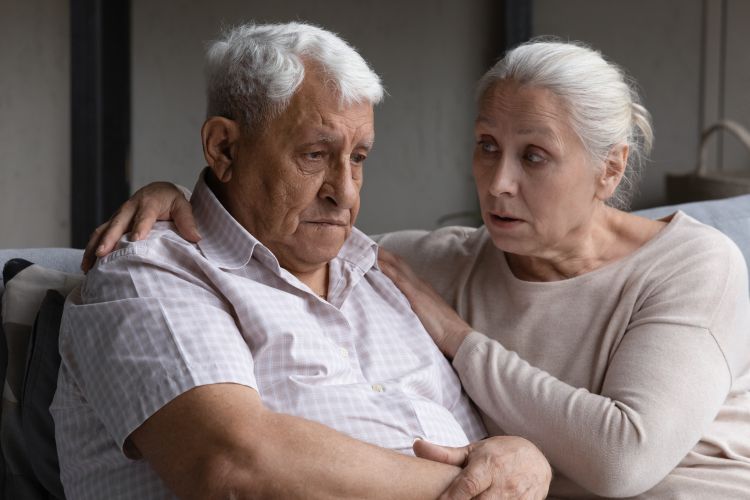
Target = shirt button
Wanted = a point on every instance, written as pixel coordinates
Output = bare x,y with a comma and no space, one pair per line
344,353
378,388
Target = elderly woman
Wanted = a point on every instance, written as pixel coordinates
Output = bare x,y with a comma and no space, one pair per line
617,344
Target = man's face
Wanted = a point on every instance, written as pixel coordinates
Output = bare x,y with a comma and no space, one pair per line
296,186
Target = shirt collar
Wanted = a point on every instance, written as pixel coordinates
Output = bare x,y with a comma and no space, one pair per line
226,243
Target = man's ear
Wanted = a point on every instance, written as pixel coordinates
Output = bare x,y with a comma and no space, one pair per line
614,168
220,138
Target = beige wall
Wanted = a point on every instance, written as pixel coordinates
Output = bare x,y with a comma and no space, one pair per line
34,123
737,96
429,54
659,44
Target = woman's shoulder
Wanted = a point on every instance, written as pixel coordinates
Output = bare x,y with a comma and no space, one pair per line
687,236
722,269
697,275
443,257
446,243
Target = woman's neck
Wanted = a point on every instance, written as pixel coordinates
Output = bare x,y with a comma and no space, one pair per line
610,235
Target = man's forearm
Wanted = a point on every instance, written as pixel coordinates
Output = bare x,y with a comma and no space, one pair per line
304,459
219,441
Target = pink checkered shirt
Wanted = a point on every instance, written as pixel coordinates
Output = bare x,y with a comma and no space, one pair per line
161,316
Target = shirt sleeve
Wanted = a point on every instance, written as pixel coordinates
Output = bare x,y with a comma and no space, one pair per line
142,333
664,385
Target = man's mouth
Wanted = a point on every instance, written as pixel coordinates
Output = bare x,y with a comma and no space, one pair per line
328,222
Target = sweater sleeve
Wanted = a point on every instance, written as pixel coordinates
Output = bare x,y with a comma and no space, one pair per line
664,385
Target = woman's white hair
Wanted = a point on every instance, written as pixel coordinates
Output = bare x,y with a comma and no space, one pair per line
253,70
603,103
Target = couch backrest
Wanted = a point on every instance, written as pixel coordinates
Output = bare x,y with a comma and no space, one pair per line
63,259
729,215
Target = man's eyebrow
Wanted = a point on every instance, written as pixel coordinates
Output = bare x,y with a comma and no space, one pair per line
323,138
330,139
367,144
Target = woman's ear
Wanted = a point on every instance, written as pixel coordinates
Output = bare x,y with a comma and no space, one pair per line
220,138
614,168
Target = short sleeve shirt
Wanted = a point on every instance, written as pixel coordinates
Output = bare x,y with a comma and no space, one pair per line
161,316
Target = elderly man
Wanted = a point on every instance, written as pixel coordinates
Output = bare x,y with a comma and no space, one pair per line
206,370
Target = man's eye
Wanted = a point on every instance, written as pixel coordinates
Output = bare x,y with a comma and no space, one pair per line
315,155
358,158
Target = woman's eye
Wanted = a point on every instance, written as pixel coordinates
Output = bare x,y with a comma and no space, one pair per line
534,158
487,146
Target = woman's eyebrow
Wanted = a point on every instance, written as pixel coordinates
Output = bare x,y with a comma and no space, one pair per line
541,130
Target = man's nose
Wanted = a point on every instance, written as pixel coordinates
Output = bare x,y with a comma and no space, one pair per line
340,186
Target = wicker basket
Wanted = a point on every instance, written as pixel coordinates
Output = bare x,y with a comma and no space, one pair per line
703,184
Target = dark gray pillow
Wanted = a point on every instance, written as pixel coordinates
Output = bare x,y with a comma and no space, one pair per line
38,391
32,308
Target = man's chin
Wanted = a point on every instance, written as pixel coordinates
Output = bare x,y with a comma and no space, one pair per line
320,253
316,249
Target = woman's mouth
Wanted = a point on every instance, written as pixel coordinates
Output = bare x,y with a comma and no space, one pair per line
504,221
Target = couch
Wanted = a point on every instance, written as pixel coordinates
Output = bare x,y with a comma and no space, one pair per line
28,464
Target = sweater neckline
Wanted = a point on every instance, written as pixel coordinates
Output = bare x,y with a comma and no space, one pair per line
673,220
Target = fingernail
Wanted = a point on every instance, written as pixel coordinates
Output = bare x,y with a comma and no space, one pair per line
100,249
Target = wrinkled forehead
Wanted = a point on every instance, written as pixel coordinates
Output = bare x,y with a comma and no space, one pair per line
317,111
524,107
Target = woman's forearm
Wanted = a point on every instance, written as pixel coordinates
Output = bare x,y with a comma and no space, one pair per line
663,387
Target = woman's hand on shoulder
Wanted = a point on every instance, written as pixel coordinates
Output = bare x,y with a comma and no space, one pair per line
155,201
444,325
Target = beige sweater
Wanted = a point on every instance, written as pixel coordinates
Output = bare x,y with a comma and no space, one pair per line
633,379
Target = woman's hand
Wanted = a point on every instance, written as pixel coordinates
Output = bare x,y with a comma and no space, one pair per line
505,467
445,327
155,201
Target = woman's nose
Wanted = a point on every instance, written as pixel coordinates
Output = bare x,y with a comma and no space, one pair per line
503,179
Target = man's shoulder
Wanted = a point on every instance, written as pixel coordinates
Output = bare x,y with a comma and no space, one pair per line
163,243
162,257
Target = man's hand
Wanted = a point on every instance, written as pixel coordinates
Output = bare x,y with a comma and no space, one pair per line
502,467
155,201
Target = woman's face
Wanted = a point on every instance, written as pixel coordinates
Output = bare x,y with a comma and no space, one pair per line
536,183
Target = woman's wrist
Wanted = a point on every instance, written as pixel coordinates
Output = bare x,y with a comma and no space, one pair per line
452,341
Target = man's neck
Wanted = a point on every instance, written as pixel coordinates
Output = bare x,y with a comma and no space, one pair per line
317,280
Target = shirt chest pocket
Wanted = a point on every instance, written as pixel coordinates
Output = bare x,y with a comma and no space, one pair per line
304,359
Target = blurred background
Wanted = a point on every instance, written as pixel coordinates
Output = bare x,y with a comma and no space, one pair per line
98,97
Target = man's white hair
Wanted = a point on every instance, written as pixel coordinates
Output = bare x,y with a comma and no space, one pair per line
603,103
253,70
